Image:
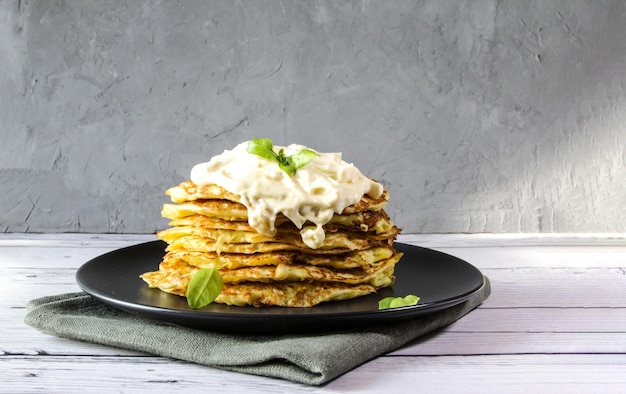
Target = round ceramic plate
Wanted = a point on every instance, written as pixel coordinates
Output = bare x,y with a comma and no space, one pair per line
440,280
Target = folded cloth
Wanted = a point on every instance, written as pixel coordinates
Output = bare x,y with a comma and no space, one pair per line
305,358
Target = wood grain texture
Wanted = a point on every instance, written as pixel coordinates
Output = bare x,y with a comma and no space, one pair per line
556,320
502,373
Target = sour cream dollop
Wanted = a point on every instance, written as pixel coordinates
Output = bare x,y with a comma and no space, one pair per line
323,187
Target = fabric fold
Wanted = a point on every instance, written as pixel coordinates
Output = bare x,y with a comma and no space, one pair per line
312,359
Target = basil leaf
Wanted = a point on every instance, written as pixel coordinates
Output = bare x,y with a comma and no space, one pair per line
287,167
302,158
282,159
204,287
262,147
265,148
397,302
266,142
385,302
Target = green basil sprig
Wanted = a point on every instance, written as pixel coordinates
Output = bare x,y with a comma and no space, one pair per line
265,148
397,302
204,287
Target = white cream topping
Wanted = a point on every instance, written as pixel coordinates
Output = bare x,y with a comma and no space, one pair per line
324,186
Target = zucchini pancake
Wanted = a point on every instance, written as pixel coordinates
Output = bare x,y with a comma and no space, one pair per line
279,229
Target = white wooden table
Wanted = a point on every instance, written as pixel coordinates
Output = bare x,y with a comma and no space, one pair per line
555,322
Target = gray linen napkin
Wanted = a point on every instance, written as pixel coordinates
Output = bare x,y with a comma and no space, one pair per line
312,359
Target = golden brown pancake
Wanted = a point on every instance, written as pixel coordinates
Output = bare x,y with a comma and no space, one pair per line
352,240
290,294
375,221
378,274
189,191
222,209
269,285
333,244
355,259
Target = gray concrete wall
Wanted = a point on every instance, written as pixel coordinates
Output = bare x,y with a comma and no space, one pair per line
478,116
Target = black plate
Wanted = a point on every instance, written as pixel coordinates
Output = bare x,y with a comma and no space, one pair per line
440,280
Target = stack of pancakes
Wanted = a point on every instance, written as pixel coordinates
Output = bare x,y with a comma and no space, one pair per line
209,229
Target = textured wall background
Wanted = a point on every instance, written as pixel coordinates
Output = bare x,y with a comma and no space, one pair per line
478,116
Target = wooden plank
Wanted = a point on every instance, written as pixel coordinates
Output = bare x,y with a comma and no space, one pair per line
557,288
73,240
26,341
514,239
539,257
515,320
502,373
452,343
488,374
52,374
49,256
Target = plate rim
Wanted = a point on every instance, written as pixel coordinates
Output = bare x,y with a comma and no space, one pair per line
173,315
